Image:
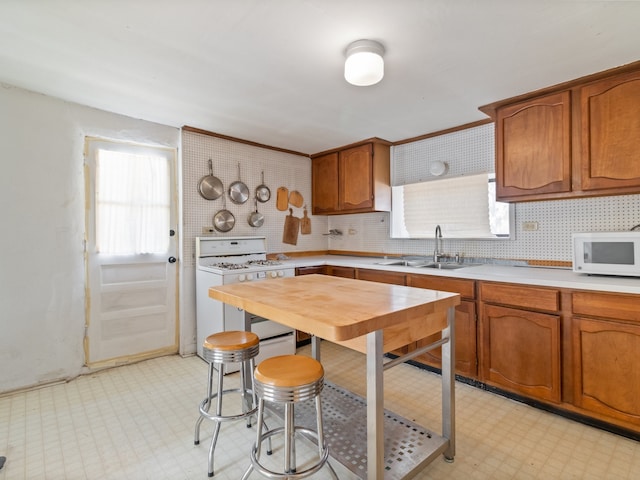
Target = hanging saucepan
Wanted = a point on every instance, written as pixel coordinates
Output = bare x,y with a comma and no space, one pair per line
238,191
256,219
263,194
223,221
210,187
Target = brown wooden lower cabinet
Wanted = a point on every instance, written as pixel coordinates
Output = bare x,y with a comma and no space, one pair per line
465,343
521,351
466,354
607,368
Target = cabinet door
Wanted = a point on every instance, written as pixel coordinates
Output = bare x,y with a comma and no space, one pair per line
606,368
324,179
465,342
521,351
356,178
610,133
533,147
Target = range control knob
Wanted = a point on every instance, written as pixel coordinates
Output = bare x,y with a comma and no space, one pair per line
280,273
273,274
241,277
249,276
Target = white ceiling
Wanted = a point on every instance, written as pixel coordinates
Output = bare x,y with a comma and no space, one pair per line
271,71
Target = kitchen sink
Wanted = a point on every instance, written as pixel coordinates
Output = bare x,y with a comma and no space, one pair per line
398,261
446,266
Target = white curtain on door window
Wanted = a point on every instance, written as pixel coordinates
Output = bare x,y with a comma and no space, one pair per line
132,203
459,205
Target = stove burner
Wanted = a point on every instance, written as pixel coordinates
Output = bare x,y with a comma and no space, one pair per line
241,266
228,266
266,263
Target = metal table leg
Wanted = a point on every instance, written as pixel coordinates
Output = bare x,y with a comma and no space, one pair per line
375,407
448,385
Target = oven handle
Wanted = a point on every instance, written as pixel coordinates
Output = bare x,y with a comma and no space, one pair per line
275,338
257,319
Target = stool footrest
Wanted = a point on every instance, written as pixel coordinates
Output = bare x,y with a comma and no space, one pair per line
255,462
226,418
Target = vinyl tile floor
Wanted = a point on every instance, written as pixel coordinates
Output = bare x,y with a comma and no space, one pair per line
137,422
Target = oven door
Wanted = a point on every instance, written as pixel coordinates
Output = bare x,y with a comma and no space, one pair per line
273,347
266,329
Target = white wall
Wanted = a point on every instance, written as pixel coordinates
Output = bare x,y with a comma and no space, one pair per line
42,198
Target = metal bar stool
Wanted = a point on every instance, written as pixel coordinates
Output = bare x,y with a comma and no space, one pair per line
289,379
220,349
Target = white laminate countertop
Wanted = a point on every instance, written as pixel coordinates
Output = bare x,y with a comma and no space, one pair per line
548,277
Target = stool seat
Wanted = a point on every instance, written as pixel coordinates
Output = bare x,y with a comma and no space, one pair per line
232,340
278,371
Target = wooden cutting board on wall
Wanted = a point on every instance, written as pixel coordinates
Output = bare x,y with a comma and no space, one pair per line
291,228
282,199
305,223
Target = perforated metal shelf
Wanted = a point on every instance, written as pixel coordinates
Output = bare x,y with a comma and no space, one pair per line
408,446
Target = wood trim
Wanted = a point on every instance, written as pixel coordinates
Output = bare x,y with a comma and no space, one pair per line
446,131
352,145
187,128
491,108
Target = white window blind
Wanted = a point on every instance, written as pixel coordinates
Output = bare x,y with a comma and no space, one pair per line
459,205
132,203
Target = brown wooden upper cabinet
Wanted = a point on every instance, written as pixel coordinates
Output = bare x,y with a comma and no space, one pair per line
610,134
577,139
533,147
352,180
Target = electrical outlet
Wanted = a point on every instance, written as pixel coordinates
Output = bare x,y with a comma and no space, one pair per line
529,226
207,230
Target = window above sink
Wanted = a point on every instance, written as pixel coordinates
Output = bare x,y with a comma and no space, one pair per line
464,207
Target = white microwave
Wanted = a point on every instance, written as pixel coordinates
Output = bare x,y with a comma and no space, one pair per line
607,253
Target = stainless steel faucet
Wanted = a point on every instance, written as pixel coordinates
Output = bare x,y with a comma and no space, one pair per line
437,253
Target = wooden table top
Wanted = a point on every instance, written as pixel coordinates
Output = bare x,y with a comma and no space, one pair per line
335,308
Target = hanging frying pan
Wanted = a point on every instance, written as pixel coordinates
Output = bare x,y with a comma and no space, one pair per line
223,221
256,219
238,191
210,187
263,194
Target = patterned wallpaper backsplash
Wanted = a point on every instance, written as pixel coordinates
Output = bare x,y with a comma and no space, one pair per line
467,151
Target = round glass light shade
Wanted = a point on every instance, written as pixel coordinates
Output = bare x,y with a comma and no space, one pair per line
364,65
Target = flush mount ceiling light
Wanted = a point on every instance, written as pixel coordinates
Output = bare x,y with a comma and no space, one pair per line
364,65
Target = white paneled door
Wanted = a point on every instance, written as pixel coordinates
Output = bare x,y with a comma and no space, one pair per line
131,252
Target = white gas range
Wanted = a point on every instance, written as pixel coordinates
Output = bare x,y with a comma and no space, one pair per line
226,260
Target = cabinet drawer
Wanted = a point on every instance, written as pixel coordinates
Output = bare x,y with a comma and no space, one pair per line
466,288
607,305
382,276
320,269
346,272
533,298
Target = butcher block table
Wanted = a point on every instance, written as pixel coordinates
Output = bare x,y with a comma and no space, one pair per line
372,318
